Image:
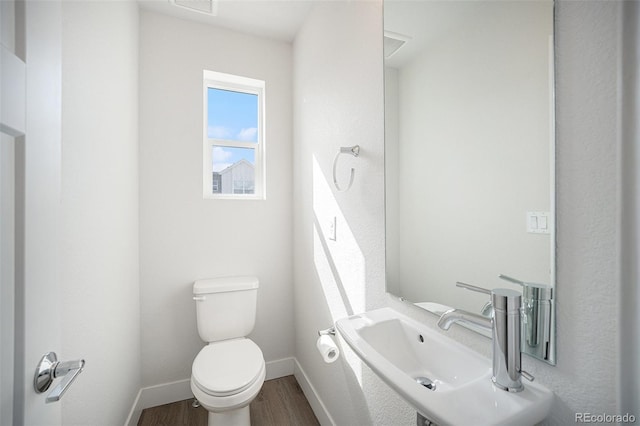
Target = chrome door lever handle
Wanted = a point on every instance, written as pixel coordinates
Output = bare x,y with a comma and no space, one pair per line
49,369
69,376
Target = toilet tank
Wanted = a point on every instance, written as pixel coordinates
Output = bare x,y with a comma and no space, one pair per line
225,307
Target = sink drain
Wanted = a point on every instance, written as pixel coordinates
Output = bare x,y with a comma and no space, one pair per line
427,383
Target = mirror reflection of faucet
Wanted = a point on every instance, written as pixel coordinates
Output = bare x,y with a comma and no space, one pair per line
538,318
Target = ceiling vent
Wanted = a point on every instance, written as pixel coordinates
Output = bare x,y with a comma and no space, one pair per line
208,7
393,42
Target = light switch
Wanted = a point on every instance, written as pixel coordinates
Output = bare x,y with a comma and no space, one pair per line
332,228
542,222
538,222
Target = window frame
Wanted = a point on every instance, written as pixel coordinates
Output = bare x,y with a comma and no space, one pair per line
235,83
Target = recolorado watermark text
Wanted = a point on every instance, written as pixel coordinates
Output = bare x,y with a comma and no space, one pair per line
605,418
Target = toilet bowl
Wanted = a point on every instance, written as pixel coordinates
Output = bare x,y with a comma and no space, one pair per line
228,373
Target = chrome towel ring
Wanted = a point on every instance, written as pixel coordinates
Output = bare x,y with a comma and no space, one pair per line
353,150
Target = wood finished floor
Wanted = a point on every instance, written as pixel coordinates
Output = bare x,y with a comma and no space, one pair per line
279,403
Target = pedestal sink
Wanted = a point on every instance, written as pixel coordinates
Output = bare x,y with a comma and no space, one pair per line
445,381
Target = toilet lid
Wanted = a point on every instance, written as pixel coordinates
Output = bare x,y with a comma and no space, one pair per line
227,367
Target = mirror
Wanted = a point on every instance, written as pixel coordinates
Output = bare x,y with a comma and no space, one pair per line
469,150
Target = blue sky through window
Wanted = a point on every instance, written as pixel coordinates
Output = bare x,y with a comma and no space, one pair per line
232,115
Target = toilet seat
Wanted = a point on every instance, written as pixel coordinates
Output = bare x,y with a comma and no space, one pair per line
228,367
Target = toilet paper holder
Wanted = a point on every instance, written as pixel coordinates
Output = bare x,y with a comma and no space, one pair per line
331,331
327,347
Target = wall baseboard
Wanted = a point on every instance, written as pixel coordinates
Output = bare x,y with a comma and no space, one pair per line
180,390
280,368
153,396
318,407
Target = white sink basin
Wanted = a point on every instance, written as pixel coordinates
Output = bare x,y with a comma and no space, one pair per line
401,350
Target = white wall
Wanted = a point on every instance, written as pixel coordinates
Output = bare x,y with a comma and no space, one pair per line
587,37
99,269
338,101
184,237
338,87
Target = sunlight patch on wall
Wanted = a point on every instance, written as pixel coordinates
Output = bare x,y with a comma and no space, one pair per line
332,295
337,256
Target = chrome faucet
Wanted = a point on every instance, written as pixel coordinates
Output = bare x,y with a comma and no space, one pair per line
505,330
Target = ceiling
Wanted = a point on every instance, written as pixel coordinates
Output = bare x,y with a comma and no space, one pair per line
274,19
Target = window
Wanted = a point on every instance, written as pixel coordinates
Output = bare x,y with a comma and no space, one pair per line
233,147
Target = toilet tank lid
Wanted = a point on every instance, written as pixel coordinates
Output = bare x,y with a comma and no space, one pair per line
221,285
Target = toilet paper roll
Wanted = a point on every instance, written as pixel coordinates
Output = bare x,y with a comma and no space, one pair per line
328,349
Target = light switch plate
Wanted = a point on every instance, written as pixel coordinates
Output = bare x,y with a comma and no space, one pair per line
332,228
538,222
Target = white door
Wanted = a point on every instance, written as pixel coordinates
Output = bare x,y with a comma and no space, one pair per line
7,275
30,204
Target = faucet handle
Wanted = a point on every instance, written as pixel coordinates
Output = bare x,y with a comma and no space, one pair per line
512,280
472,287
527,376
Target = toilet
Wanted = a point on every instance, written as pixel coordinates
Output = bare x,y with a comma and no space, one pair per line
228,373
